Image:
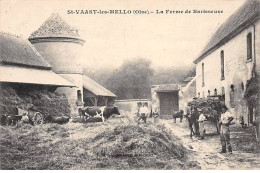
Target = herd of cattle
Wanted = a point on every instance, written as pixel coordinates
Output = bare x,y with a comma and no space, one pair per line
35,117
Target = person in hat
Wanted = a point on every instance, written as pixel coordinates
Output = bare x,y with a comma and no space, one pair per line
143,113
225,121
201,120
156,115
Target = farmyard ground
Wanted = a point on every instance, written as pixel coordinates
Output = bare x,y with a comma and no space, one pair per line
121,144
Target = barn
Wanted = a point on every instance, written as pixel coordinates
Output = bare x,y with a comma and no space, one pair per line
27,80
165,98
22,65
96,95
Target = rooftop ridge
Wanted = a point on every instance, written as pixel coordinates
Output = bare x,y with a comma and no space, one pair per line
55,26
232,26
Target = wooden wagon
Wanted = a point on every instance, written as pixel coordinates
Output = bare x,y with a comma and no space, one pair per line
35,117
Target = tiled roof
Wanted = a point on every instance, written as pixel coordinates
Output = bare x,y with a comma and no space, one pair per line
17,51
96,88
166,87
31,76
55,26
248,11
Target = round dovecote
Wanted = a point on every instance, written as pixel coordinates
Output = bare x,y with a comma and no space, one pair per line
59,44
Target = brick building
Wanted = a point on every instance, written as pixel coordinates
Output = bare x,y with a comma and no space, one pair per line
230,59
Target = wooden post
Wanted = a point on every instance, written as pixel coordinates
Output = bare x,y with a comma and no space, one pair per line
105,100
92,101
96,100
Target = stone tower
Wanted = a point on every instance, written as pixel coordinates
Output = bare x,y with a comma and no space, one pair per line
60,44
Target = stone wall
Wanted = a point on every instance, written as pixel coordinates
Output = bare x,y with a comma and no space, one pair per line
187,94
62,55
71,93
130,106
236,68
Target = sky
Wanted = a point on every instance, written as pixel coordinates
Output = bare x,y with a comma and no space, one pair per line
168,40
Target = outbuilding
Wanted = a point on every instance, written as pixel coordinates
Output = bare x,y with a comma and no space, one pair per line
165,98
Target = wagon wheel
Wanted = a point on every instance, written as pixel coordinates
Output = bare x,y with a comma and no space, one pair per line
38,118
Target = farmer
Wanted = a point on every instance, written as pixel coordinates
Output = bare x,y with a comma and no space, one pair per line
156,115
225,120
143,113
201,120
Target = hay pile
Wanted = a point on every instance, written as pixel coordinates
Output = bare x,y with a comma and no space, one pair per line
51,104
208,106
91,146
135,147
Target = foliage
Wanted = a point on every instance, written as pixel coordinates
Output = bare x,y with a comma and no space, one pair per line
132,80
175,75
252,91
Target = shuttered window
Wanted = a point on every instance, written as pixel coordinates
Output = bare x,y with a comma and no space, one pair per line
222,65
249,46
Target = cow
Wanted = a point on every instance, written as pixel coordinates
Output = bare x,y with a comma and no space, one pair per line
177,114
105,112
60,119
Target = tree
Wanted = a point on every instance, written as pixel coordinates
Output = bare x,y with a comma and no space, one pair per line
132,80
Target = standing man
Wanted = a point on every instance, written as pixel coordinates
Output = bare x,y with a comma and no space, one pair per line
225,120
156,115
143,113
201,120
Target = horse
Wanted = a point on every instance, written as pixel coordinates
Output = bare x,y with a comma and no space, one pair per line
193,121
177,114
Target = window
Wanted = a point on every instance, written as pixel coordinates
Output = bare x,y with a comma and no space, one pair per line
203,82
215,92
232,96
222,65
208,92
198,94
79,96
223,93
249,46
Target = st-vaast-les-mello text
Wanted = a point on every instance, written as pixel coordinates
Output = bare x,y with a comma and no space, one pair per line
142,11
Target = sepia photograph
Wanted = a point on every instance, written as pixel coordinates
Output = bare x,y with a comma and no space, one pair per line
129,85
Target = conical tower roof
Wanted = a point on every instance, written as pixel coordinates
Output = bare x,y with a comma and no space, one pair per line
55,26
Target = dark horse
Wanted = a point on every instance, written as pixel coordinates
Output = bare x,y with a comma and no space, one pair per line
177,114
193,121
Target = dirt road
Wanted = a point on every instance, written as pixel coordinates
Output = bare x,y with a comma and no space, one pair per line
207,150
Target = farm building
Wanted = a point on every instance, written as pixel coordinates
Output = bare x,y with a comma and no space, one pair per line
96,95
21,65
27,80
165,98
230,59
59,44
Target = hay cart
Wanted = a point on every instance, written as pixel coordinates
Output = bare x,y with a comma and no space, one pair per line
211,107
35,117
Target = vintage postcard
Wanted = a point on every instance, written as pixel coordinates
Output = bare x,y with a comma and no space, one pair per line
129,85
